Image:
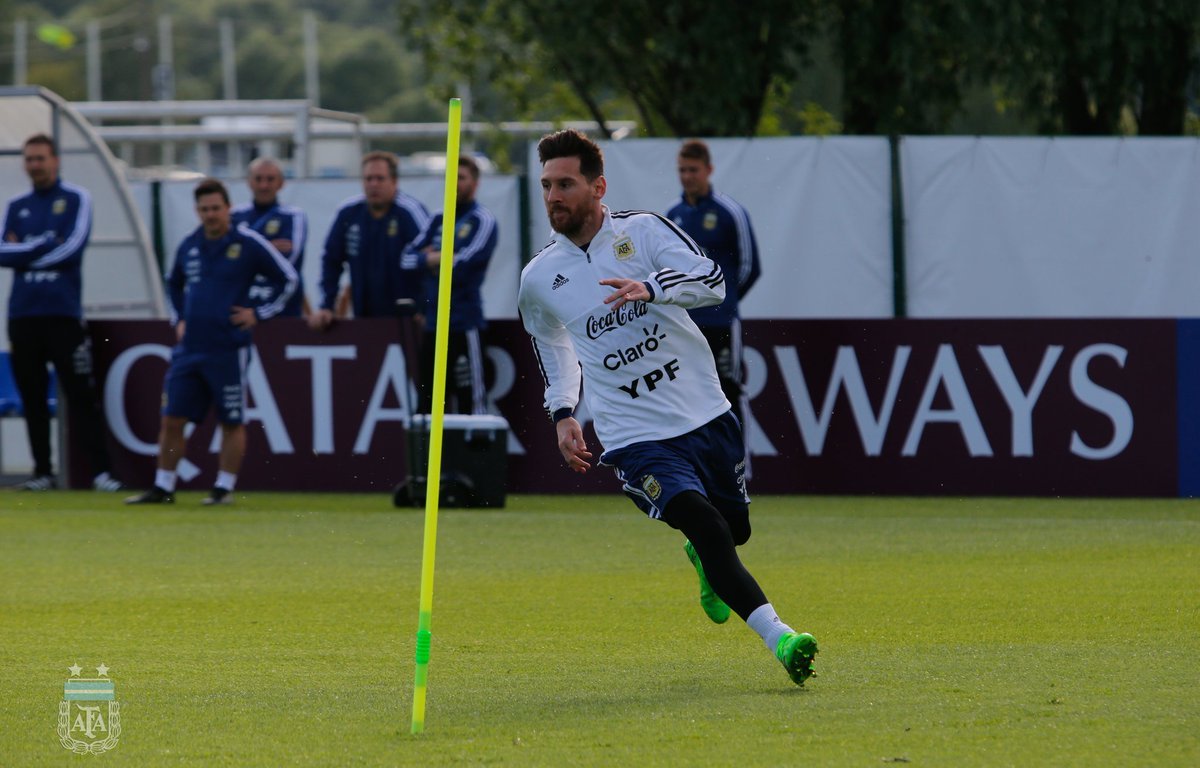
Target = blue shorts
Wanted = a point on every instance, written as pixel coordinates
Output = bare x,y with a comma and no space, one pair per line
710,459
197,381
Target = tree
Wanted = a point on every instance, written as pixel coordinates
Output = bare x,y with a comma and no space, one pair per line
904,63
683,68
1092,67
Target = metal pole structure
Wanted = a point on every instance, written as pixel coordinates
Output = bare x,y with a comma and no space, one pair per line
301,143
20,51
312,72
166,79
93,60
229,78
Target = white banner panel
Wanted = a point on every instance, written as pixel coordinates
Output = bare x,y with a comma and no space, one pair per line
320,199
819,207
1038,227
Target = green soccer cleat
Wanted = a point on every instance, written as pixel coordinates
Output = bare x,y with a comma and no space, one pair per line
713,606
795,650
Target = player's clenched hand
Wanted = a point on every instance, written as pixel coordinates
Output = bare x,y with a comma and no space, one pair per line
243,317
571,444
626,290
320,319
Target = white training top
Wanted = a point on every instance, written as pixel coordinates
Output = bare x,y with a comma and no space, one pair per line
648,372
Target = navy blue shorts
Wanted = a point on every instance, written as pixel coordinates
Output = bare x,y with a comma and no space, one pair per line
197,381
710,459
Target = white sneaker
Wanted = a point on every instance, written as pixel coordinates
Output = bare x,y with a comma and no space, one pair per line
107,483
37,483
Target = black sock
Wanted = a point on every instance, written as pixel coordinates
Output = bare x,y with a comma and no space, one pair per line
696,517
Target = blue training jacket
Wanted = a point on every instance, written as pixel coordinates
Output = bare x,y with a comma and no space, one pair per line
210,277
372,247
475,236
43,239
721,226
276,222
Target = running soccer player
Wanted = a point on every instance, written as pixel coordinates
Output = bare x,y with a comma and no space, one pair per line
214,268
606,303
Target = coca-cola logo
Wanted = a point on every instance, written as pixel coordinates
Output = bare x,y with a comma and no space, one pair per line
598,326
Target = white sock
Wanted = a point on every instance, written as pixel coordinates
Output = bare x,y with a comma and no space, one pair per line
226,480
165,479
768,625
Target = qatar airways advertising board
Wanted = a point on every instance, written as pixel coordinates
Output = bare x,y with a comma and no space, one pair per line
962,407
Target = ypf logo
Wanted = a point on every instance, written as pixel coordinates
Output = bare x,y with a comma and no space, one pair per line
89,718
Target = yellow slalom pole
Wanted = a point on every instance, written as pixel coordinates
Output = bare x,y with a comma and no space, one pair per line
434,474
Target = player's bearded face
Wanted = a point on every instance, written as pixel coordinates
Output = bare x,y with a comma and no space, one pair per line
570,198
567,218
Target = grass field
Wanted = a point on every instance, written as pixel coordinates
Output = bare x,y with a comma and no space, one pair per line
566,631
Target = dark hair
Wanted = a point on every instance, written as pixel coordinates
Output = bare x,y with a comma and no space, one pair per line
211,187
41,138
387,157
468,162
572,143
694,149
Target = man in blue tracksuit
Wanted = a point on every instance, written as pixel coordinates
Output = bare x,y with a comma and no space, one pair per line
475,237
721,227
285,226
214,268
369,233
43,238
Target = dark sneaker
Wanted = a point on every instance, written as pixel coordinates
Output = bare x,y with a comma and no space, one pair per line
218,496
795,651
37,483
155,495
714,607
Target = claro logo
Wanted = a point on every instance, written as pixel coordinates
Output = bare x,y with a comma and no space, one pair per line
598,326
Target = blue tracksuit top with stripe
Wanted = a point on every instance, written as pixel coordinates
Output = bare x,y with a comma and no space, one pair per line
276,222
45,232
721,227
475,236
210,277
372,247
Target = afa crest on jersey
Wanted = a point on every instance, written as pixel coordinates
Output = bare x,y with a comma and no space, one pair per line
623,248
710,220
464,230
233,251
393,228
272,228
60,206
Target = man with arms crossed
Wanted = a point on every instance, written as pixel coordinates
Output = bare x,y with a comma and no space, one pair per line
369,233
606,302
285,226
475,238
43,238
213,271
